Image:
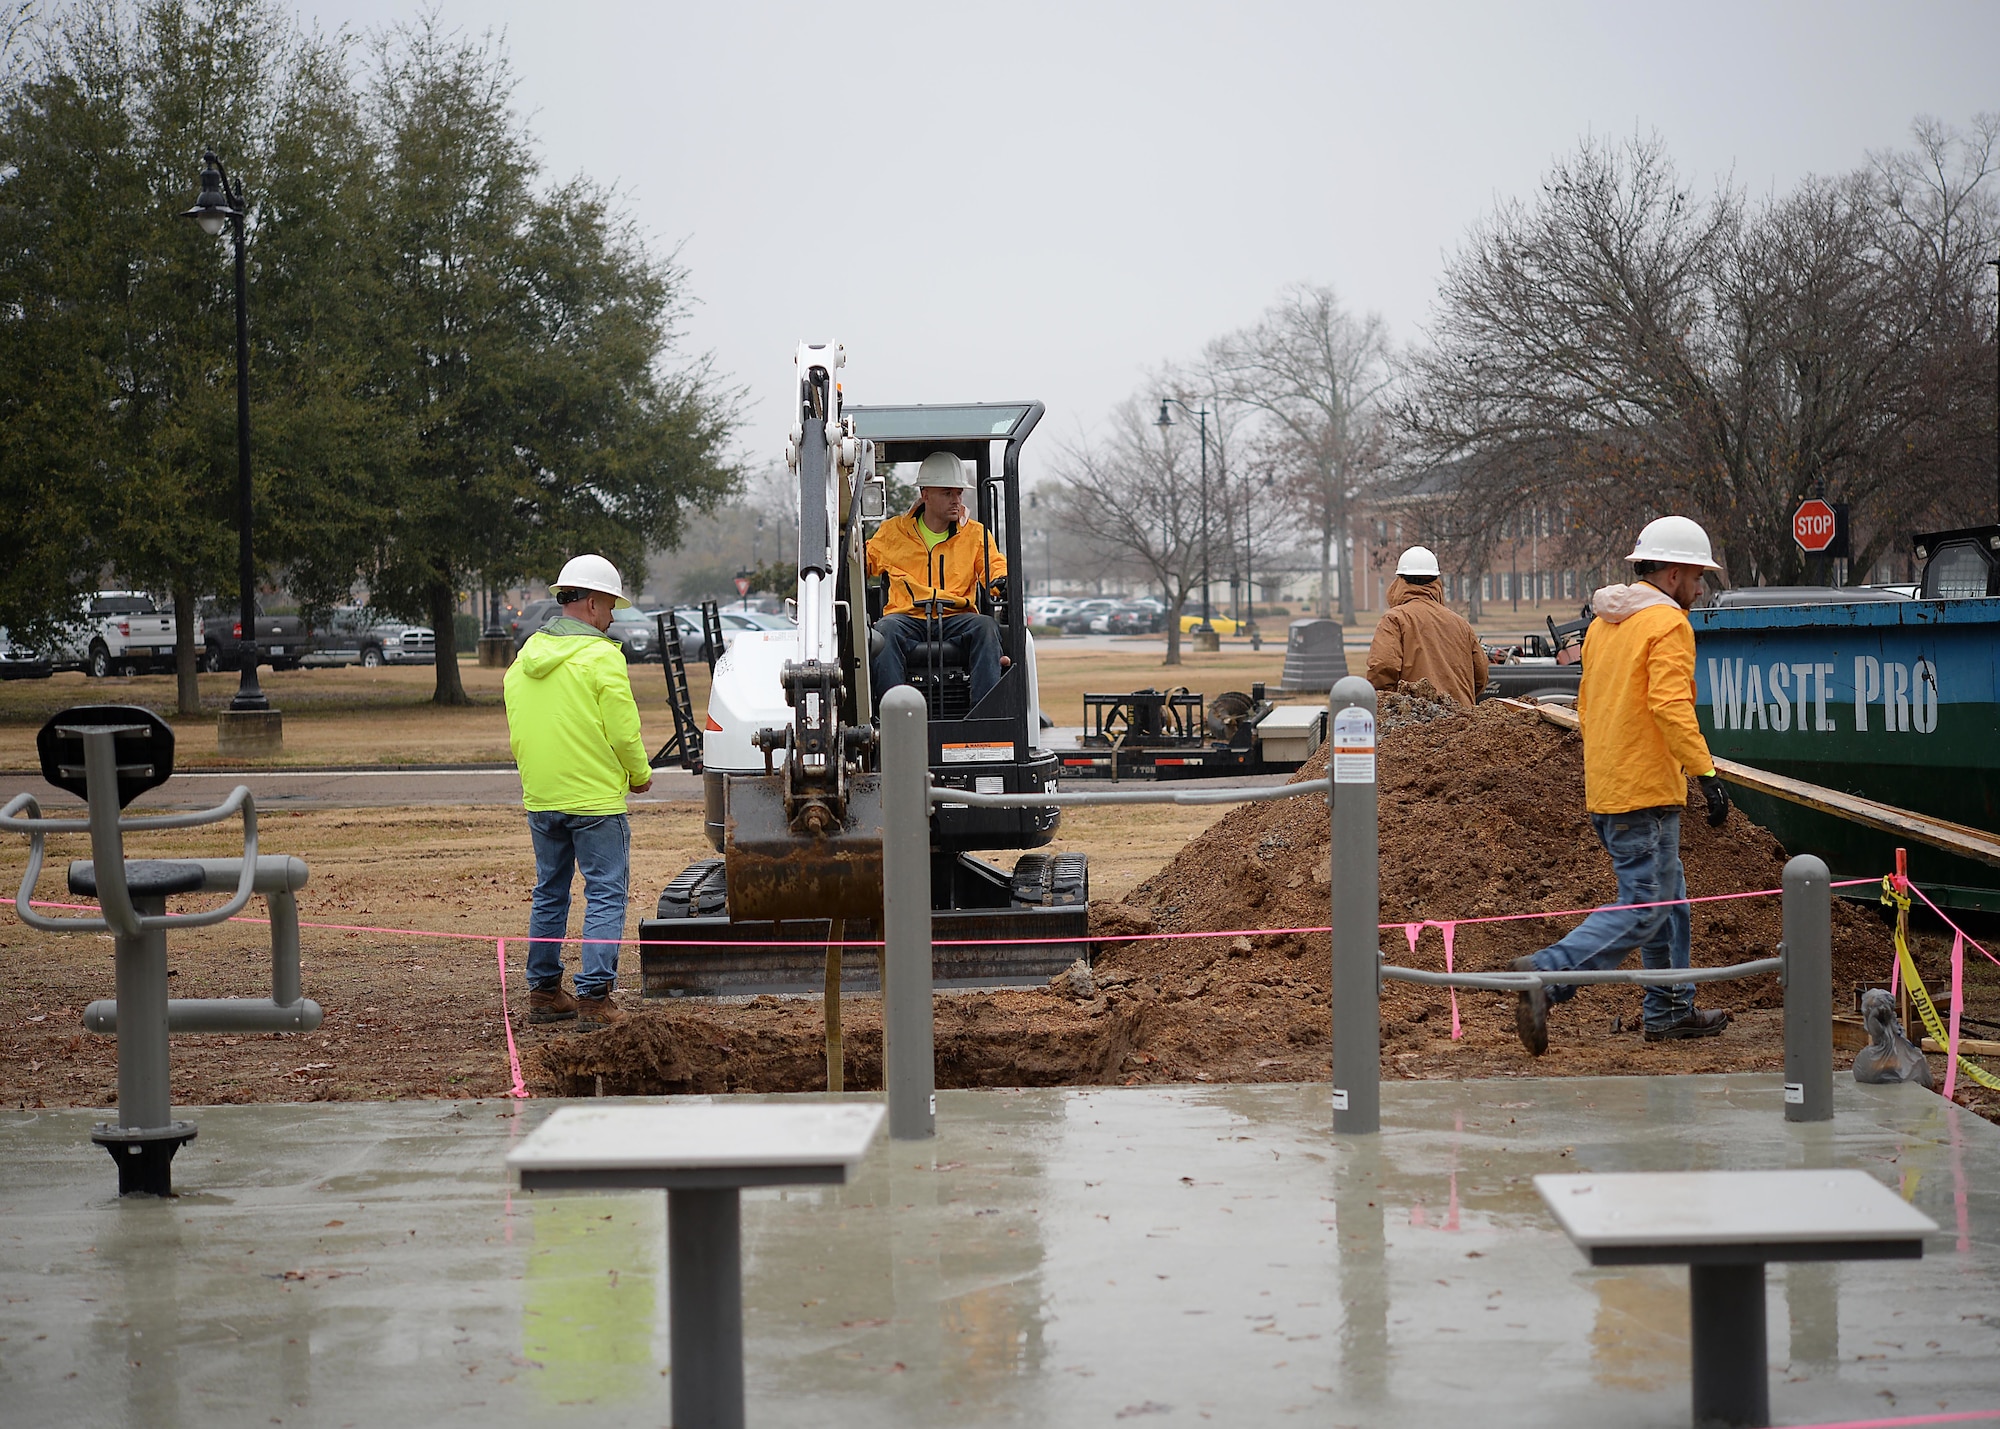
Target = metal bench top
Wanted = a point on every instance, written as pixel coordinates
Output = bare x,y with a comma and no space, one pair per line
696,1146
1734,1217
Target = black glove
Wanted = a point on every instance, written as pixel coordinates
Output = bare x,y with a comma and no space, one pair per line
997,591
1717,796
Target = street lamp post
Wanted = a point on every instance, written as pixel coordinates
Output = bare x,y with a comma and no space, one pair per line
218,207
1200,415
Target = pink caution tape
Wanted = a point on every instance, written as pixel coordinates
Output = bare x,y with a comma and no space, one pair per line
507,1021
1957,1005
1414,931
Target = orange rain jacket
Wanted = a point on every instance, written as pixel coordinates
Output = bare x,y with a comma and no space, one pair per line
1421,638
963,561
1636,702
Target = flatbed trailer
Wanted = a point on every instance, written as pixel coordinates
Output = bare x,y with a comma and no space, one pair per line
1171,734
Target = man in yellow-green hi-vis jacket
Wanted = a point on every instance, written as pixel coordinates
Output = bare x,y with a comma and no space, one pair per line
574,729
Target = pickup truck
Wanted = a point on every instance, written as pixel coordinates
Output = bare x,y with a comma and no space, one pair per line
120,632
359,635
282,642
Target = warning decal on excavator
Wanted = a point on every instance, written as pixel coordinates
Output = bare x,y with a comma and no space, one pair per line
992,751
1354,746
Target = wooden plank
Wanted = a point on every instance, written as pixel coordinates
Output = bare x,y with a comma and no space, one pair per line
1969,1046
1850,1034
1869,813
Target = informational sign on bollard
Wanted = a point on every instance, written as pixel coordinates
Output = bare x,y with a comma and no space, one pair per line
1354,746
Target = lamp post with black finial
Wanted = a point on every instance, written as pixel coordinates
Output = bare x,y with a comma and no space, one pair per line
1200,414
249,725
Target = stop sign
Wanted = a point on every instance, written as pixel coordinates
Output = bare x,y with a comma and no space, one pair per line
1814,525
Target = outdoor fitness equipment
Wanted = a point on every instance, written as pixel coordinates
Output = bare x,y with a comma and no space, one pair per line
111,754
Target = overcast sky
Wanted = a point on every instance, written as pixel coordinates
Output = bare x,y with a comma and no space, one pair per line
1023,200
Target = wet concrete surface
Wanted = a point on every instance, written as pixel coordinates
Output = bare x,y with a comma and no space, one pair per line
1061,1257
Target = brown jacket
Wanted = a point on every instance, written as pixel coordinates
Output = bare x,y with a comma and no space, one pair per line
1422,638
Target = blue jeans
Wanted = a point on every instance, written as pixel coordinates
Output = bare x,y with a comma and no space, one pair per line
976,636
600,845
1645,849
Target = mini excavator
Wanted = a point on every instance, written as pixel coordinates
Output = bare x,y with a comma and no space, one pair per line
789,758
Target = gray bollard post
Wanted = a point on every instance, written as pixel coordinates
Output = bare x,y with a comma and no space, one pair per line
1357,899
908,1062
1808,980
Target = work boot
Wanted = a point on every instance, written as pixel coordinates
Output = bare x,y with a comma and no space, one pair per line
1696,1024
594,1014
1531,1011
550,1004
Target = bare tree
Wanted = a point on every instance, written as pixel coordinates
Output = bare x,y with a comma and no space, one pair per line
1620,349
1320,375
1134,500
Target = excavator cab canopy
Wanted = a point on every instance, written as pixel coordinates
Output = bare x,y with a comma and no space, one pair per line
969,432
992,743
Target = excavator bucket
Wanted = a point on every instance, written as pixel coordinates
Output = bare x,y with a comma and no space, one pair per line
774,872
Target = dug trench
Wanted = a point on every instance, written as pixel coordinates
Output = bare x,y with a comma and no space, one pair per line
1482,813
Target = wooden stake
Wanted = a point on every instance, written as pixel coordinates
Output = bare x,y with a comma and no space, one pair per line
831,1000
1909,1021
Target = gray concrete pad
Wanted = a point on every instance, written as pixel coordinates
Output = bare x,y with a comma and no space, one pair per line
1061,1257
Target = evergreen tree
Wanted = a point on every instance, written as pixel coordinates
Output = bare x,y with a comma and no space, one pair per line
523,347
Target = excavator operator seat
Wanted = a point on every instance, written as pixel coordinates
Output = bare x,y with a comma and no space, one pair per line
937,671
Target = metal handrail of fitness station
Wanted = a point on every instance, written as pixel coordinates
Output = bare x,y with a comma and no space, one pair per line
1804,961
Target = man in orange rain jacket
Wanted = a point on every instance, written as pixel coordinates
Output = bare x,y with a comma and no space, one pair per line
1640,742
937,560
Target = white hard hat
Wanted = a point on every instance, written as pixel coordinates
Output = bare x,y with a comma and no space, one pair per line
1674,541
1418,561
592,573
943,469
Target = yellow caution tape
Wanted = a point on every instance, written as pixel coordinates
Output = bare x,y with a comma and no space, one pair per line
1921,996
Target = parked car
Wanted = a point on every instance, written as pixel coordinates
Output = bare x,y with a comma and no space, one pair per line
119,632
362,635
1128,619
635,631
694,641
1076,620
534,615
757,620
632,628
1222,624
21,662
282,641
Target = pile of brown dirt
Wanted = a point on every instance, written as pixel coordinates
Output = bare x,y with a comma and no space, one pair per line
1482,814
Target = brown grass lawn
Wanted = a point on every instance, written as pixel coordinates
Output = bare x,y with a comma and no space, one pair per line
353,716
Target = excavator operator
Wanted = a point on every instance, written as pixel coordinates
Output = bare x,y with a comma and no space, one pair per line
937,559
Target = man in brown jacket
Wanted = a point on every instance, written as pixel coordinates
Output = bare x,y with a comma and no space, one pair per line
1422,638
